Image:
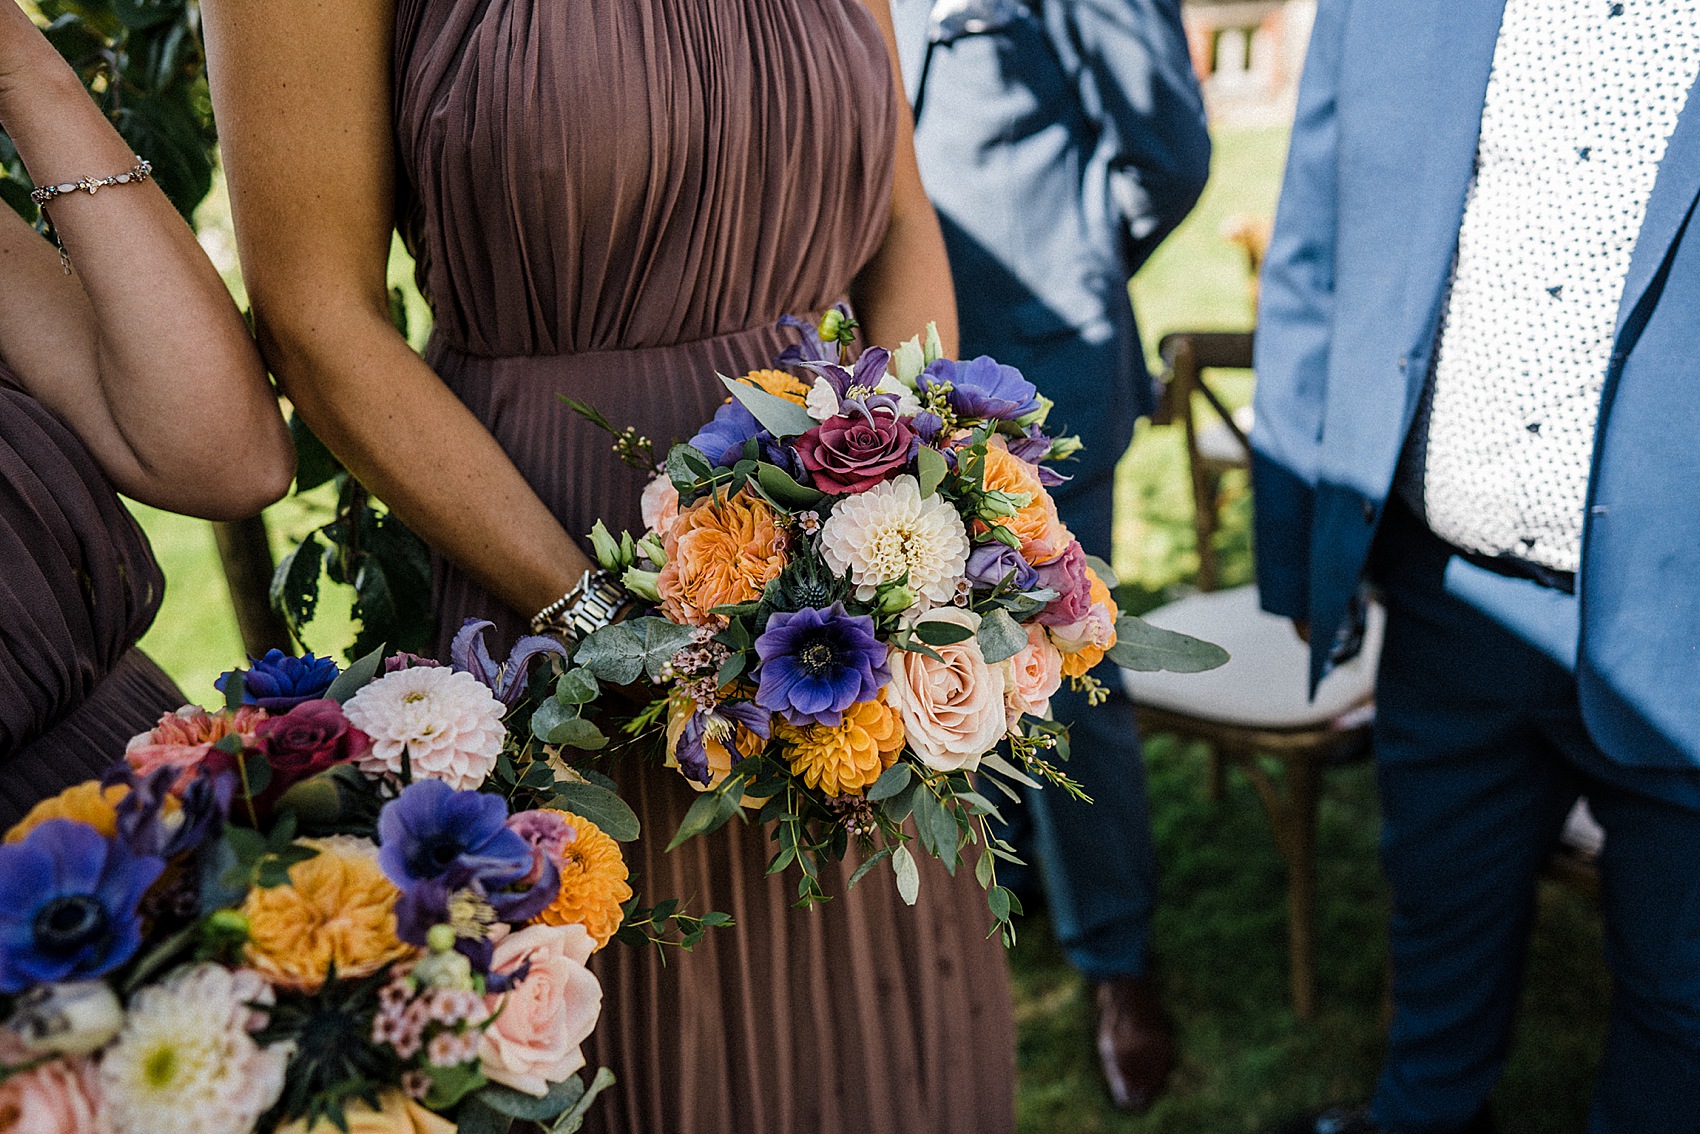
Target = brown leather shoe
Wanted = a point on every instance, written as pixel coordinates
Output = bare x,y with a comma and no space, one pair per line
1136,1042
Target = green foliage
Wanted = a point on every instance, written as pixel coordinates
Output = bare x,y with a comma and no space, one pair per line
142,61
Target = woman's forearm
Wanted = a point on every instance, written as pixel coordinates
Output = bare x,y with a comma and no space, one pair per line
408,439
142,351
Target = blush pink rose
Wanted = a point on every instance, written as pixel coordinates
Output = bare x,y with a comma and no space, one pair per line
660,505
1035,676
536,1036
61,1097
183,739
952,710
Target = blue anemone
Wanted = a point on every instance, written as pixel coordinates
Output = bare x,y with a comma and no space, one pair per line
817,663
983,388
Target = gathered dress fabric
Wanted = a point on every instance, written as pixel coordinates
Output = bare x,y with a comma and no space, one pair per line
78,586
613,202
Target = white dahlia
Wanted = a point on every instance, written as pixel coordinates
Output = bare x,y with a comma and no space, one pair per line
448,723
877,535
186,1062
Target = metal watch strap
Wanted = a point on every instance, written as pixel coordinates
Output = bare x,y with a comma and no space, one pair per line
592,603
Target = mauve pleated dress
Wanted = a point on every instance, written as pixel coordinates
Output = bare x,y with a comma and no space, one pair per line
613,200
78,586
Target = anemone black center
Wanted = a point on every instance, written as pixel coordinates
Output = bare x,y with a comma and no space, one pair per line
68,923
818,657
435,856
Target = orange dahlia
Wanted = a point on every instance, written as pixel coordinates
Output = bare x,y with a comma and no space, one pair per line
86,802
338,908
593,882
1041,531
848,758
779,384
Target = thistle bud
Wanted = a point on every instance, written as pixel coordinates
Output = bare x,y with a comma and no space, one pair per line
71,1018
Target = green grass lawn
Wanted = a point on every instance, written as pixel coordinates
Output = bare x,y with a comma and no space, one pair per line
1220,931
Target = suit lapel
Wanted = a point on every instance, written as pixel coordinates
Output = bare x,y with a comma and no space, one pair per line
1453,78
1673,197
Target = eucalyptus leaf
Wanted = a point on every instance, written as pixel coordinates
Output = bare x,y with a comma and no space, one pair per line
615,654
662,641
573,1120
698,820
893,780
870,862
938,632
1145,648
1001,637
601,806
994,762
779,417
929,462
908,878
784,490
576,732
474,1117
576,687
517,1104
356,677
686,466
1104,571
549,716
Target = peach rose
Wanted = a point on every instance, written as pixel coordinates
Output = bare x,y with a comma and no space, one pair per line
1041,531
952,710
723,550
535,1038
183,739
396,1114
1084,643
1034,675
660,505
60,1097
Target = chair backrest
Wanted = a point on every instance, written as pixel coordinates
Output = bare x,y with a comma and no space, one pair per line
1187,355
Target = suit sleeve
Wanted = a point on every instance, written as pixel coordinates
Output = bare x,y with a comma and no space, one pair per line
1137,83
1294,328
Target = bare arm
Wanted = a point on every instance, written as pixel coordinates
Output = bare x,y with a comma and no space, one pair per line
142,351
312,77
907,283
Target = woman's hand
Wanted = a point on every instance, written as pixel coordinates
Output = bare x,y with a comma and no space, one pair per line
142,352
907,283
310,77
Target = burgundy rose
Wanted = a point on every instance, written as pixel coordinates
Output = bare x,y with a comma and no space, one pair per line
1066,574
311,738
857,449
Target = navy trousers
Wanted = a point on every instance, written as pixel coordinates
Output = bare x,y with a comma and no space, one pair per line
1481,750
1094,860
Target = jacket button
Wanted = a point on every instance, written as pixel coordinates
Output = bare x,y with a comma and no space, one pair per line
1403,361
1369,512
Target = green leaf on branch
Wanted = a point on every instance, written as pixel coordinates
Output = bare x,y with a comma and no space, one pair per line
601,806
621,653
356,677
573,1120
1001,637
779,417
577,687
1145,648
893,780
530,1108
930,463
1104,571
784,490
870,862
555,723
908,878
709,812
294,590
938,632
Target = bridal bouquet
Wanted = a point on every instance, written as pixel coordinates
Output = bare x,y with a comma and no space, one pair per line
357,900
861,594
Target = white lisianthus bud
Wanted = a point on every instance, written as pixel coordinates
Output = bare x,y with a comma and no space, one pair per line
643,584
909,361
822,400
72,1018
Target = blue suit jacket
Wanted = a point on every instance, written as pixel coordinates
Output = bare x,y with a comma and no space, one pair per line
1383,147
1060,143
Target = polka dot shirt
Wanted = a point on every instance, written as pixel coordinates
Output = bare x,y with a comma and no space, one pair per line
1581,102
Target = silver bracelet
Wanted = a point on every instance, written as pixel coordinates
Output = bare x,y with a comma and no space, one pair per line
593,602
91,185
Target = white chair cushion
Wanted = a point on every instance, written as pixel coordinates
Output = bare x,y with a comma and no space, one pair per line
1218,445
1582,832
1265,682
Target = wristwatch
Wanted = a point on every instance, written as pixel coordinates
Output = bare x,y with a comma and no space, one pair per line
595,601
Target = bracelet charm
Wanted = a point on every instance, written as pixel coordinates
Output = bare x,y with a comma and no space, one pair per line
90,184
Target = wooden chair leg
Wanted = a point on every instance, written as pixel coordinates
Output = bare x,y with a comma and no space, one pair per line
1292,809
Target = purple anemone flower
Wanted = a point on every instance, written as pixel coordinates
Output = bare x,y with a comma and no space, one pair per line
723,439
989,564
817,663
277,682
507,681
983,388
68,902
431,830
426,904
142,822
720,723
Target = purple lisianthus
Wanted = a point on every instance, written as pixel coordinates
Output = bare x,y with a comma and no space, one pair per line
721,724
982,388
507,681
817,663
431,829
68,904
989,564
1066,574
278,682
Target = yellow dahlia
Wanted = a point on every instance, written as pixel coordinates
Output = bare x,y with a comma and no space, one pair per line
337,908
86,802
593,882
847,759
779,384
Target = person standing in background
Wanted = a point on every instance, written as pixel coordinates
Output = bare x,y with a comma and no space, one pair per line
1060,144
